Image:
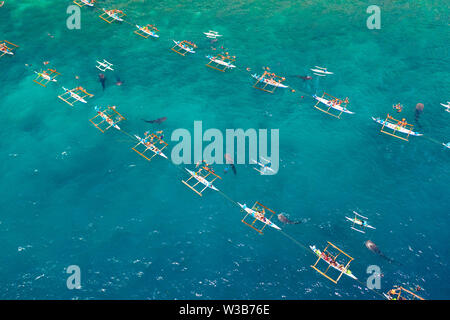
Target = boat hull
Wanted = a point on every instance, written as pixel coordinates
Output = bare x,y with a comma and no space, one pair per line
252,213
318,254
396,127
328,103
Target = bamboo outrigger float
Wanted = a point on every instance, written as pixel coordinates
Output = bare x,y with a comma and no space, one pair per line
83,3
400,293
201,176
147,31
268,80
221,62
331,260
258,214
7,47
109,118
113,15
44,77
333,104
74,95
397,126
183,47
148,143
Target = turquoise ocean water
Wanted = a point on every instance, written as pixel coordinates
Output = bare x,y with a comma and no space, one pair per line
71,195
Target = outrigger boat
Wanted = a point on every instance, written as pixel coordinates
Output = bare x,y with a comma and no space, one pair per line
74,95
82,3
331,260
148,144
264,166
361,223
113,15
201,177
396,126
104,65
147,31
447,145
226,61
268,79
258,212
106,117
319,71
334,103
44,77
400,293
446,106
5,49
183,47
212,34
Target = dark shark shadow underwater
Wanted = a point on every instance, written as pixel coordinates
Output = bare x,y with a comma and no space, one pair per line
285,219
373,247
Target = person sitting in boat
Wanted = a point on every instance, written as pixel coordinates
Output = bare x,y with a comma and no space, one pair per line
403,122
393,292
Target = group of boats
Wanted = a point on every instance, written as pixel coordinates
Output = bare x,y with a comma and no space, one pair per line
359,222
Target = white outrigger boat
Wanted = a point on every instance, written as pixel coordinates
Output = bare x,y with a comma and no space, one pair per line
89,3
264,166
46,76
329,103
107,119
221,62
259,216
446,106
335,265
447,145
362,223
147,31
74,95
150,146
105,65
269,81
319,71
396,127
114,14
202,180
212,34
4,49
184,46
